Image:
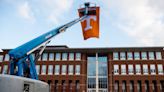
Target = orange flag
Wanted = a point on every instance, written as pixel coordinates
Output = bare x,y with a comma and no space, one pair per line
90,25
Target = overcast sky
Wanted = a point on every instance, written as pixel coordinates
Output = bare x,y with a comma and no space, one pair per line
123,23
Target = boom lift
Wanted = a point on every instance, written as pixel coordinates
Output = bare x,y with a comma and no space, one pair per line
23,64
19,56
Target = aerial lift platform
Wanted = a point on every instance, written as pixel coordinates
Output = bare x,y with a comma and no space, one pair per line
23,76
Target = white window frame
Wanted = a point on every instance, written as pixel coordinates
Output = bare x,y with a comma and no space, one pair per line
160,69
50,69
51,57
71,56
129,56
151,56
78,56
77,72
1,58
38,69
122,56
130,69
58,56
44,69
138,69
115,56
158,55
144,55
70,69
45,57
64,70
145,69
123,69
152,69
116,69
136,55
57,70
7,57
64,56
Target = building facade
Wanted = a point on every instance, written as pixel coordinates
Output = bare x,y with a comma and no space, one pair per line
132,69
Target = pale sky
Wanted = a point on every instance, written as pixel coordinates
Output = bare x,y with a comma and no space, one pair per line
123,23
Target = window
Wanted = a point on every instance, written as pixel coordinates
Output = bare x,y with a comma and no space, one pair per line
138,69
56,86
51,56
144,56
7,57
116,69
50,84
146,86
136,55
38,69
160,69
1,58
71,56
102,82
124,86
122,56
91,82
145,69
70,85
78,56
70,70
63,86
158,56
57,69
5,68
50,69
139,87
44,56
131,86
123,69
115,56
77,86
116,86
102,66
43,69
152,69
130,56
58,56
64,56
161,86
91,66
151,55
77,70
64,69
154,86
130,69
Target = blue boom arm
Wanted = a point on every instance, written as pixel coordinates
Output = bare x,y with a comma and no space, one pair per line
29,47
22,63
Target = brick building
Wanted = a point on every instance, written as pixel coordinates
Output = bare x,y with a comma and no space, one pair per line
131,69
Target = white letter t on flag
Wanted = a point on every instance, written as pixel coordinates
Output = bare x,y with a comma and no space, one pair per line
88,26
